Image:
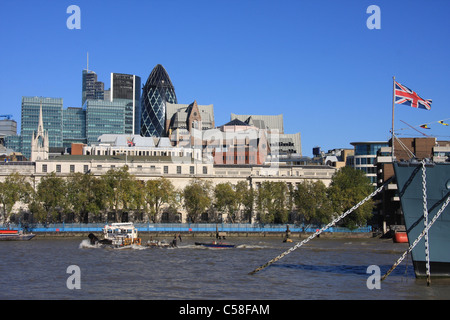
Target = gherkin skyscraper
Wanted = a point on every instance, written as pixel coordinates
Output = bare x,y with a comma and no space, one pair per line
156,92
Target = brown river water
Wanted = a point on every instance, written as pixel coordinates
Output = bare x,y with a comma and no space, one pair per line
326,269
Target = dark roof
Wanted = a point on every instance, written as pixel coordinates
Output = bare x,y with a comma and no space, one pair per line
159,78
236,122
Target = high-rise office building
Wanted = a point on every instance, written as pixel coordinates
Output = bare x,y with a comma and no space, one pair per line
8,132
13,142
91,88
74,126
156,92
127,89
104,117
52,111
8,127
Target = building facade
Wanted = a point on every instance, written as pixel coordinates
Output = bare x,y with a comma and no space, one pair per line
137,146
365,157
8,127
52,114
91,88
127,88
8,134
237,143
157,91
74,126
280,142
186,117
104,117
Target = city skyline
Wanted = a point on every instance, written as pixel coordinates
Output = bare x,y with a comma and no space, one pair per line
316,63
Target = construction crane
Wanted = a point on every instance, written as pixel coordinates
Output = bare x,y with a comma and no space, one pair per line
7,116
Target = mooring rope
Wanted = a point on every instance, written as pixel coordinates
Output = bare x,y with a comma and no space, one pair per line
318,232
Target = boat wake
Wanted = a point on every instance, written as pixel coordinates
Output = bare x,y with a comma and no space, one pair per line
250,246
132,247
87,244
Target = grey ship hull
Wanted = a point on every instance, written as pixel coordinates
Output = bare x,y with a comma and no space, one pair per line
409,181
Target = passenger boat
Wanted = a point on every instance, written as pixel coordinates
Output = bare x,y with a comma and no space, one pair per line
117,235
411,190
11,235
215,244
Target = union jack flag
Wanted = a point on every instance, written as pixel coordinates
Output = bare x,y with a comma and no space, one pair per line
404,95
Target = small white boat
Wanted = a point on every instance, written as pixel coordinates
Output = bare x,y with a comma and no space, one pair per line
118,235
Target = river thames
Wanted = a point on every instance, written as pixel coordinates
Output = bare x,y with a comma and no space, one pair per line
326,269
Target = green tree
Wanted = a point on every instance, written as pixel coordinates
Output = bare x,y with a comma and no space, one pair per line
348,187
197,198
312,202
37,209
272,202
139,204
226,201
52,195
245,199
156,193
84,193
117,183
15,188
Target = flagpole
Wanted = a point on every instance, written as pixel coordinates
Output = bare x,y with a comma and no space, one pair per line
393,106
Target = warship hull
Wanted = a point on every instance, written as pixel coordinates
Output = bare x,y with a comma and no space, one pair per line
410,188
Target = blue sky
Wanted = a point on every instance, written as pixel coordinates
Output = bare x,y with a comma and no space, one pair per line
315,61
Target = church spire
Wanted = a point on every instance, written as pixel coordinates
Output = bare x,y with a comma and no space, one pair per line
40,130
39,142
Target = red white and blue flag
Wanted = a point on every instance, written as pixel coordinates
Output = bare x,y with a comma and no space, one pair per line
404,95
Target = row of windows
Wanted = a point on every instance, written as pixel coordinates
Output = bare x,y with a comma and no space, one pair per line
99,167
368,149
58,168
368,170
236,158
365,160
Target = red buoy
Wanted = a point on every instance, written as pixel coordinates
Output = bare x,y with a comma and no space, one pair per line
400,237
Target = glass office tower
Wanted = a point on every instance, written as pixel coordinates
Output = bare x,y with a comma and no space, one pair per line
156,92
52,112
126,88
104,117
91,88
74,126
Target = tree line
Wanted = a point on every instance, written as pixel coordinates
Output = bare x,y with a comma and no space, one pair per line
117,194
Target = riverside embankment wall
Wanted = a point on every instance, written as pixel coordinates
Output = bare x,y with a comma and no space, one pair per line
155,234
197,230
